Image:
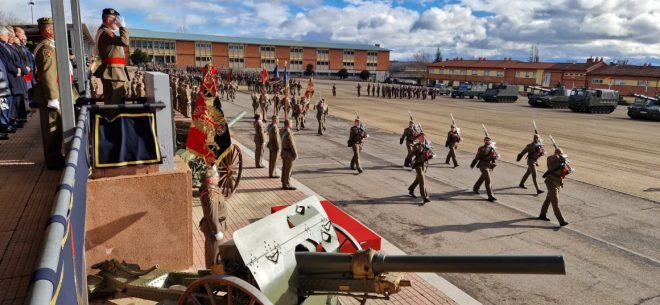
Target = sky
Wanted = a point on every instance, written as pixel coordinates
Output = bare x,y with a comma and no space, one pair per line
563,30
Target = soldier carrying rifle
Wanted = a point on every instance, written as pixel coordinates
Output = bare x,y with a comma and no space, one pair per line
485,160
558,168
409,135
423,152
534,151
356,136
453,138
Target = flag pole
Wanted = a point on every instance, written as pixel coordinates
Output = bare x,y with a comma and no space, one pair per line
286,94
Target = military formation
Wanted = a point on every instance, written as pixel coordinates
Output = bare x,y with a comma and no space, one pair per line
394,91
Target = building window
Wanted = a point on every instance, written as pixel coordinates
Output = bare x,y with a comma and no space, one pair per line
372,60
267,54
486,73
643,83
474,72
236,56
499,73
296,56
322,59
202,53
449,71
348,60
619,82
596,81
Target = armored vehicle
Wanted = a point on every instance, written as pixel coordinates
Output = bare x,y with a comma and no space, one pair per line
443,89
501,93
556,98
645,107
593,100
469,90
291,258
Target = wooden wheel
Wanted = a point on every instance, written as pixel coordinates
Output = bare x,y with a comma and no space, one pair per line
229,171
222,289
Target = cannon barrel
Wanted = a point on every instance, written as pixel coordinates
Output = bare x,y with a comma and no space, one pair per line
310,263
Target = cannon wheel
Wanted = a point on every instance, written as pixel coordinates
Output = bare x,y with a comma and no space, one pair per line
233,290
229,171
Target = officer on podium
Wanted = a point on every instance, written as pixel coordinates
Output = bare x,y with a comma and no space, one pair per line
111,38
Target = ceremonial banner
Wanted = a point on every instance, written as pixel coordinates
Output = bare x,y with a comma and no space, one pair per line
310,89
264,76
126,139
276,74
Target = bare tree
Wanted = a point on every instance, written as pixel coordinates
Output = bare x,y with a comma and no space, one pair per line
7,18
422,57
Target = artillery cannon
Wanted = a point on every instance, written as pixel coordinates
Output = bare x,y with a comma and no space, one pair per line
289,257
556,97
645,107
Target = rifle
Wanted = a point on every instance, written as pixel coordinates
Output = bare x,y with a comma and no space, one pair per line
485,130
410,115
563,162
536,130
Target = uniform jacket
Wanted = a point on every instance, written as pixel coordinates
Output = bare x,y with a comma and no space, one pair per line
47,85
452,139
419,150
273,137
353,137
111,51
258,133
408,135
554,171
289,150
483,157
29,61
531,151
321,111
14,64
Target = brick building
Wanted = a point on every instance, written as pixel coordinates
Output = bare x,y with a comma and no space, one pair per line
185,49
593,73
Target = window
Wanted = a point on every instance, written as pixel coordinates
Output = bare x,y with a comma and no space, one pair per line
643,83
267,54
322,59
296,56
619,82
499,73
202,53
236,56
596,81
486,72
372,60
474,72
348,60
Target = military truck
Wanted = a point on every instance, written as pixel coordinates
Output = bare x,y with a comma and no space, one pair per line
469,90
502,93
556,98
442,89
645,107
593,100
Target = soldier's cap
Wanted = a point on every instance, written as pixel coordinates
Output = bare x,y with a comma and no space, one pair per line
453,126
559,150
487,138
110,11
45,20
536,136
411,122
274,117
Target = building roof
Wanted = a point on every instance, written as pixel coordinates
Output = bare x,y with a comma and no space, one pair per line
491,64
588,66
140,33
628,70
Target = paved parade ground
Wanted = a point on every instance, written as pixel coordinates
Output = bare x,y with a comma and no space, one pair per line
610,246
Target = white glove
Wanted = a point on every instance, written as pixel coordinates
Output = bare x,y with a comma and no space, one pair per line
54,104
121,22
219,236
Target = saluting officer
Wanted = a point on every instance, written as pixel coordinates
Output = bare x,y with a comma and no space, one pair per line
111,38
289,154
409,134
453,138
273,145
422,154
485,161
533,151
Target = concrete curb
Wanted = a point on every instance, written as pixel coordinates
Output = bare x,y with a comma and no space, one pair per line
438,282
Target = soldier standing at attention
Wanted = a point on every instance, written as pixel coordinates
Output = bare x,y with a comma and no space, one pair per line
554,180
422,153
255,103
355,138
485,161
378,90
334,90
213,223
321,113
409,135
258,140
273,145
289,154
534,151
453,138
47,95
359,89
111,38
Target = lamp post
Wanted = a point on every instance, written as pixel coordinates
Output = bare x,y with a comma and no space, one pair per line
31,4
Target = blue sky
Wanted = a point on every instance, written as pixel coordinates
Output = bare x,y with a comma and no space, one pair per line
563,30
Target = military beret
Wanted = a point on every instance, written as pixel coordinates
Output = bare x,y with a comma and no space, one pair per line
110,11
45,20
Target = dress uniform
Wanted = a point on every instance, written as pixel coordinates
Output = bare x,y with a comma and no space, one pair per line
273,146
47,95
554,180
334,90
258,140
533,151
422,154
112,70
355,138
321,114
453,138
408,136
289,154
213,224
485,161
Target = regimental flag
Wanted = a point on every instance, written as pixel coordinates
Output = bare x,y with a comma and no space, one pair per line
286,76
309,92
264,76
229,76
276,75
209,136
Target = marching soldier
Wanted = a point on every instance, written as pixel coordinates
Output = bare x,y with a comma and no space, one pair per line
213,223
453,138
334,90
273,145
554,180
423,154
355,138
289,154
263,103
359,89
368,89
409,135
533,151
321,114
110,45
255,103
258,140
485,161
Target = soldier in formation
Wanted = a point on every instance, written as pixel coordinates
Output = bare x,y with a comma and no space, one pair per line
334,90
558,168
359,89
255,103
273,145
356,137
321,114
409,135
533,151
485,160
289,155
422,154
453,138
258,139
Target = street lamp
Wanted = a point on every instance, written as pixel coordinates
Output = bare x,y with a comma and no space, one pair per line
31,4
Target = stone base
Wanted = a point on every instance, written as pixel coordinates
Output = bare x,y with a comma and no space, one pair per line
144,218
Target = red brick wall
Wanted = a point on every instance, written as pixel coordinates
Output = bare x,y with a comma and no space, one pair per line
309,57
383,61
282,53
220,55
252,57
626,89
360,60
185,53
336,58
